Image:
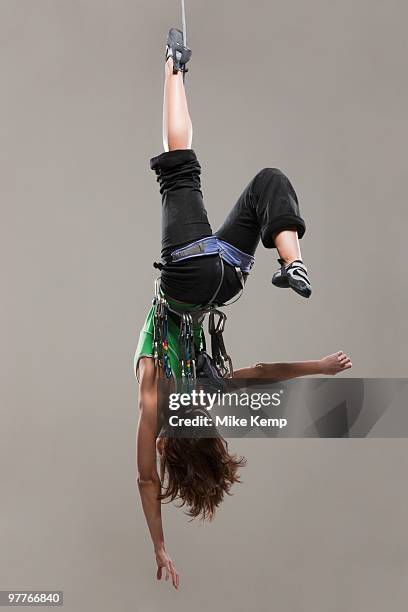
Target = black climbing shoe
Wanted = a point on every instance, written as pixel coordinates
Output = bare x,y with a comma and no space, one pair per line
175,49
294,276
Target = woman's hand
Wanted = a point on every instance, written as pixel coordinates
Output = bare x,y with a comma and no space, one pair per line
333,364
165,563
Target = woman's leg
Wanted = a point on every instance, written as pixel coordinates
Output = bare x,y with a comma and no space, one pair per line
178,171
177,126
184,218
268,210
287,245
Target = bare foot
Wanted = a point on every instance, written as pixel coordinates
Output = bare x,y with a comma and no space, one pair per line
333,364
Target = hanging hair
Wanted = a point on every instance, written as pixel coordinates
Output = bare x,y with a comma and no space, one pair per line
198,472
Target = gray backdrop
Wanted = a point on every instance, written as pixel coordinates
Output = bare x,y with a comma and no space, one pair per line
316,88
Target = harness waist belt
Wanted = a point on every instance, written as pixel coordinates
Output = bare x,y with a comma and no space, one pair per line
214,246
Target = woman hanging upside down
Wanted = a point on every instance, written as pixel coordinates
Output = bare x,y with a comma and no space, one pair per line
202,268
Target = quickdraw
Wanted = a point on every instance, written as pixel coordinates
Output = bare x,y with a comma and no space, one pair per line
188,357
216,326
160,333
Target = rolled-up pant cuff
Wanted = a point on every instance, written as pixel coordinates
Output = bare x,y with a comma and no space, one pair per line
169,160
283,222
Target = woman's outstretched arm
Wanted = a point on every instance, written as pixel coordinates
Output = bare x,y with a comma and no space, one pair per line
328,366
148,478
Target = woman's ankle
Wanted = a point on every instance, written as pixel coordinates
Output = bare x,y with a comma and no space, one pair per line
169,65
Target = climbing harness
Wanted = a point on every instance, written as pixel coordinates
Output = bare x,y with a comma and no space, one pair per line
189,353
243,263
213,245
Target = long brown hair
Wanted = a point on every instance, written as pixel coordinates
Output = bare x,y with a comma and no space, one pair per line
198,472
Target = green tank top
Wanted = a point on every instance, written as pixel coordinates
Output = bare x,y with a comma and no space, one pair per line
146,337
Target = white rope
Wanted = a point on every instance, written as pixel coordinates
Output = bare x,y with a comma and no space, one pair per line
183,19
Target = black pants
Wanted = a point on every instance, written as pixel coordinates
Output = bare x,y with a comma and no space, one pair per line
267,205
